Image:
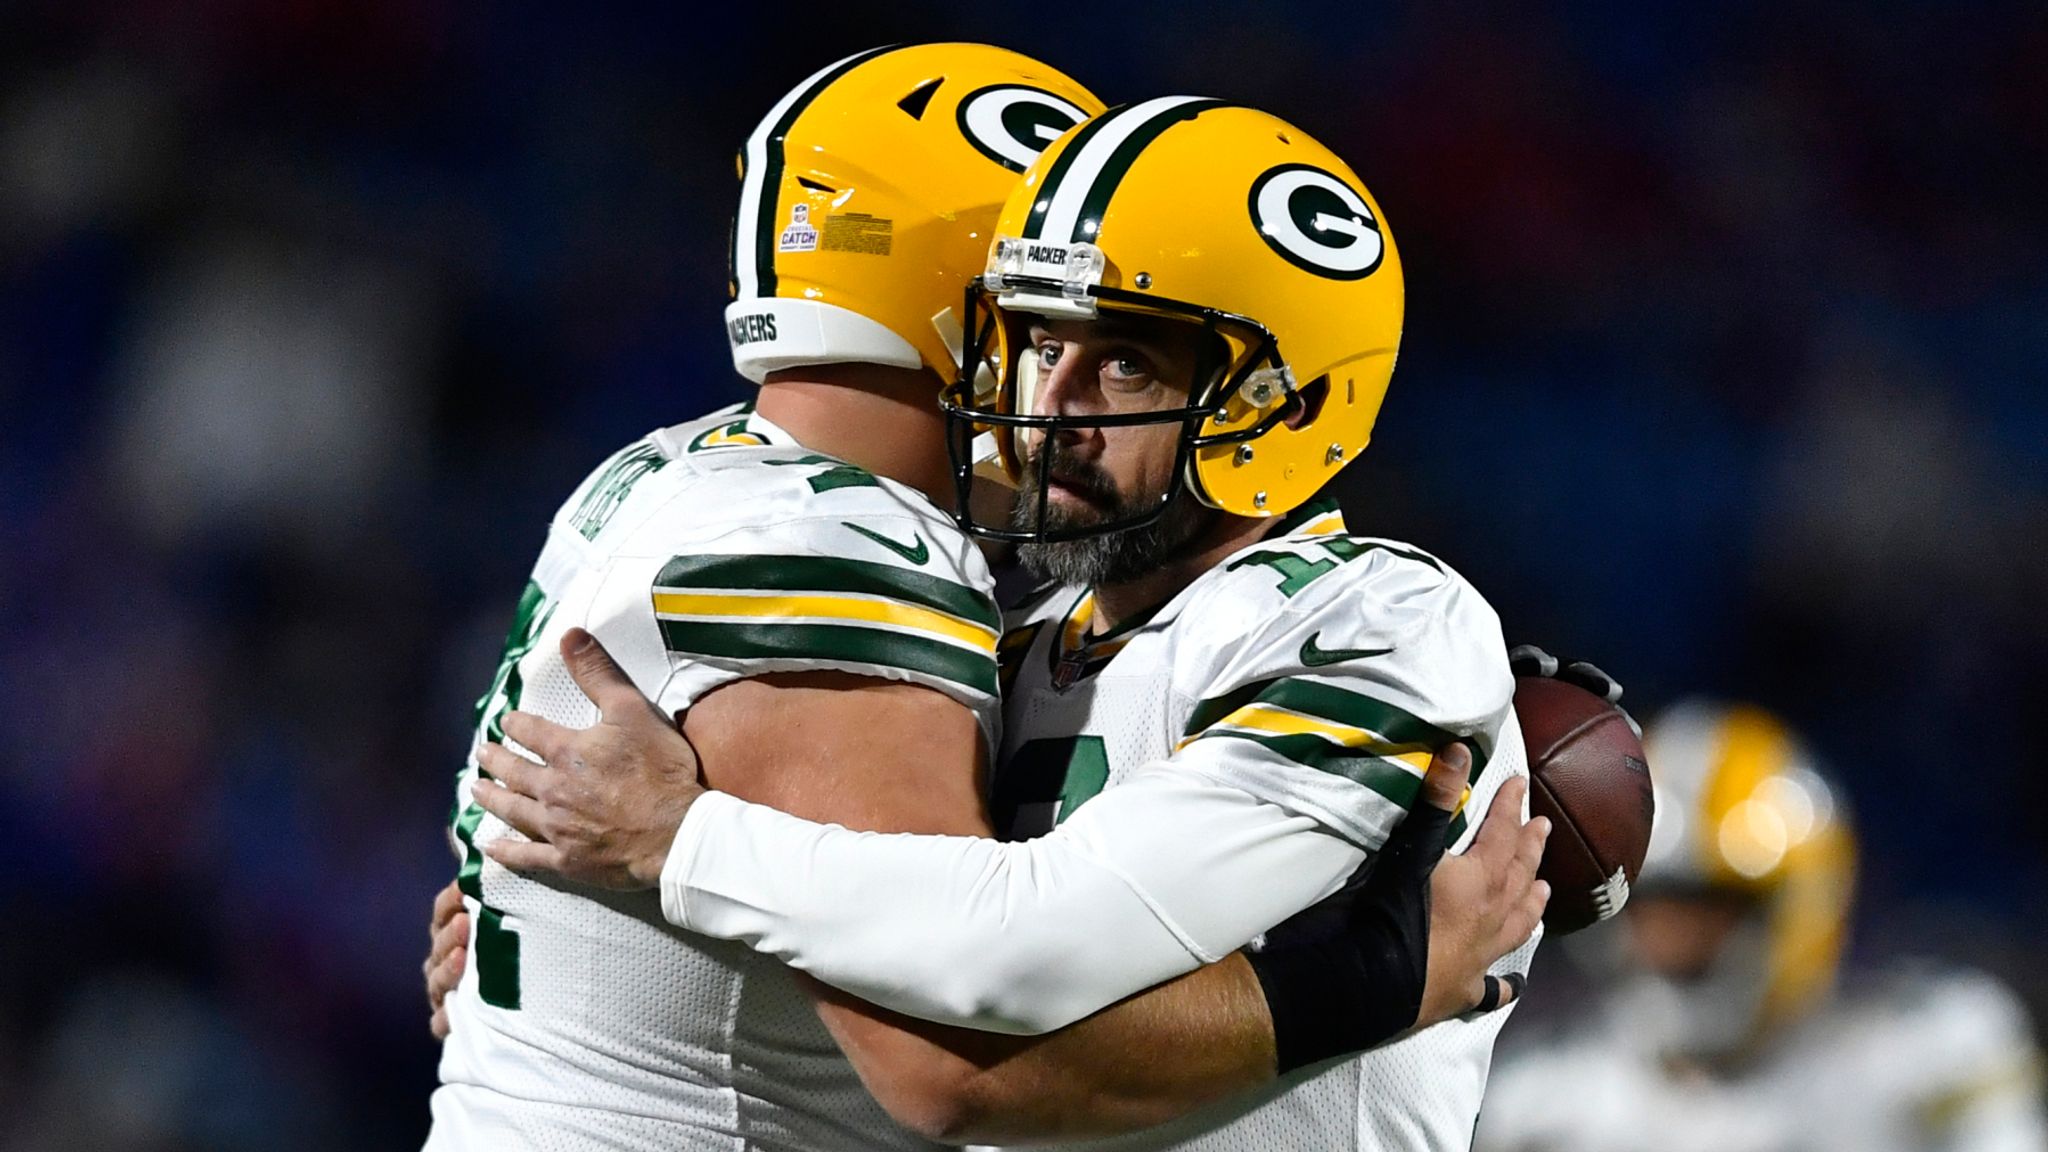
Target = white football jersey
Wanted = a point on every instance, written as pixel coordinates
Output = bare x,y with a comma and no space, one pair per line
1315,670
1925,1063
707,552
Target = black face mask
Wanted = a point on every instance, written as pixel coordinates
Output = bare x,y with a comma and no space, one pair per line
1033,520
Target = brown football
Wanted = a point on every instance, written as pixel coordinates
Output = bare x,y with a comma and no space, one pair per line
1587,773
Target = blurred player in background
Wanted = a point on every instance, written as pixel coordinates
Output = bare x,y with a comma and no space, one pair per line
1730,1035
1216,711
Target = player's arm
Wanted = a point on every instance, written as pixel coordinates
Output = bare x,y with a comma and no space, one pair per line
1295,768
1139,1063
1150,880
1171,870
830,747
893,645
1149,1058
1226,1027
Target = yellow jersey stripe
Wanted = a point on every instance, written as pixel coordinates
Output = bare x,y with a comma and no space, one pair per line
816,607
1285,722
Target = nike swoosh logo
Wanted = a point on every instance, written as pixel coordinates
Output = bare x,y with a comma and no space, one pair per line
915,551
1316,657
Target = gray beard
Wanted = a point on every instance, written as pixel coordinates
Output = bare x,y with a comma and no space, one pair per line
1112,557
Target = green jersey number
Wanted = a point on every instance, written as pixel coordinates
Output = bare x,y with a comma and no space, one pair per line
608,491
1297,572
1044,782
497,947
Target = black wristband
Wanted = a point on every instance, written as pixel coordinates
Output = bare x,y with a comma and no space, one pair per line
1332,995
1499,991
1337,996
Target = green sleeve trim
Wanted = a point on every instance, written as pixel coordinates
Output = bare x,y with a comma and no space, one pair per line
1403,730
843,644
828,574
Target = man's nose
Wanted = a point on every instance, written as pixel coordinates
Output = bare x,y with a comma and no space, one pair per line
1062,388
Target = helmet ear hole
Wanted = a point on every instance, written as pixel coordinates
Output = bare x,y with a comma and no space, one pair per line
1310,402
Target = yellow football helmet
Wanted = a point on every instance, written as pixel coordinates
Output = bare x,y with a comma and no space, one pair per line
1223,216
867,196
1742,810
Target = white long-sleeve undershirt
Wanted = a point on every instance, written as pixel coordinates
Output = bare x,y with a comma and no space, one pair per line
1153,878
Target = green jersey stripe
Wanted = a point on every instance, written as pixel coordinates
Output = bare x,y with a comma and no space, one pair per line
1214,708
1399,727
844,644
1343,706
828,574
1390,779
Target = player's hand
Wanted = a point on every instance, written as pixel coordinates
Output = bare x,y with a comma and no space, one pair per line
1531,660
603,806
447,954
1484,903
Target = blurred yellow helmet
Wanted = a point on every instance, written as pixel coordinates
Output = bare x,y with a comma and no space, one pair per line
1742,810
1223,216
867,197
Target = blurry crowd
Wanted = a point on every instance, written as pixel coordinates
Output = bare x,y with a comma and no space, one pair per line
1722,368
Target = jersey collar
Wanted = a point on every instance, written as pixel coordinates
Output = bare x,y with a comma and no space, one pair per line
1075,655
770,432
1318,517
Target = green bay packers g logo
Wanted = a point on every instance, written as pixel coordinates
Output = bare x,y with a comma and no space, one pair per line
1317,222
1011,124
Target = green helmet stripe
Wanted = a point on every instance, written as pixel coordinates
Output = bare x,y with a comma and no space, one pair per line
1089,220
1057,174
1099,157
753,233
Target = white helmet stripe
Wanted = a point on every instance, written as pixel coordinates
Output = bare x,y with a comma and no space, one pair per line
1063,214
763,160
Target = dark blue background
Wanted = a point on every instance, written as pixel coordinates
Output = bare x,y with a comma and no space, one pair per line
1722,367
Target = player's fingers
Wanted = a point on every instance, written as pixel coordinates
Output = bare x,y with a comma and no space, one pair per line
600,676
1443,785
1521,920
521,812
447,905
1503,823
445,976
447,973
452,935
548,740
525,856
1531,660
1592,679
438,1024
511,770
1529,841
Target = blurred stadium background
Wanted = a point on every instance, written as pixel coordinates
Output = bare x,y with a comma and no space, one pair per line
1723,368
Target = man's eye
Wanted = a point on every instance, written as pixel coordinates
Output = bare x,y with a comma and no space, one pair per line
1048,355
1127,369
